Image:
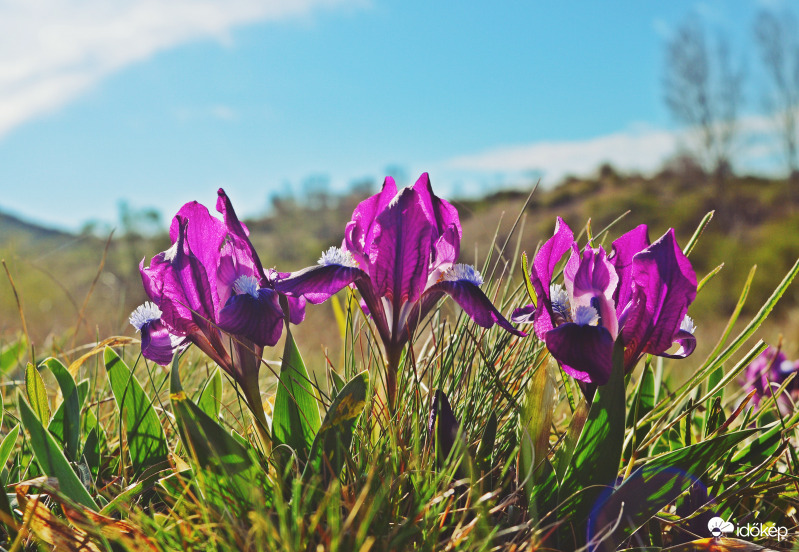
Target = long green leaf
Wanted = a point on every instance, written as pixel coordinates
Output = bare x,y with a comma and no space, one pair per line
764,445
595,463
56,426
653,486
528,285
69,410
716,360
50,457
210,400
37,394
295,419
11,355
7,446
332,443
698,232
146,439
229,476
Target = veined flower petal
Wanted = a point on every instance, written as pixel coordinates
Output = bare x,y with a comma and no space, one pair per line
594,284
474,303
157,343
258,317
318,283
542,270
523,315
401,251
664,284
624,249
585,352
359,233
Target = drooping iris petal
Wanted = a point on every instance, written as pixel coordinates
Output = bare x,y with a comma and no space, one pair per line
541,274
687,343
157,343
624,249
318,283
257,317
296,309
359,233
585,352
400,251
523,315
461,284
664,284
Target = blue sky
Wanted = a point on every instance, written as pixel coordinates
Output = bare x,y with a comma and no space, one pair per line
158,103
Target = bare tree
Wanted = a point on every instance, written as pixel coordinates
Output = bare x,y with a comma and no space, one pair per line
704,92
779,50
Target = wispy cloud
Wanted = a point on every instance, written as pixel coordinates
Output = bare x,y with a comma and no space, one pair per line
51,51
640,149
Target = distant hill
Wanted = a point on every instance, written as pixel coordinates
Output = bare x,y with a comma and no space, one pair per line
14,229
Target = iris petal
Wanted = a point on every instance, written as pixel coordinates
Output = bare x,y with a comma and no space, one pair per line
259,319
664,284
359,232
543,268
475,303
624,249
585,352
318,283
687,343
443,216
157,344
594,284
401,250
523,315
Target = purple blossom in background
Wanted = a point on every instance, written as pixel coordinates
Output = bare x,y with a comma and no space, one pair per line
767,373
400,251
640,294
211,290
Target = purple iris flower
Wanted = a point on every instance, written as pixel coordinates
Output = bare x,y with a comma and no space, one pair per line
766,374
639,293
400,251
210,289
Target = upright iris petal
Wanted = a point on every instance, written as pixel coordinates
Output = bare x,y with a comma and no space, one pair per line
639,294
400,251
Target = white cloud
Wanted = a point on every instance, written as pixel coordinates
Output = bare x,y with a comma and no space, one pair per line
51,51
639,150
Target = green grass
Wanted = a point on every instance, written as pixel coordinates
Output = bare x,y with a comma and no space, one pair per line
138,457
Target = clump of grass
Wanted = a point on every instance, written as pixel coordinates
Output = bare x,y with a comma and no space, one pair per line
491,447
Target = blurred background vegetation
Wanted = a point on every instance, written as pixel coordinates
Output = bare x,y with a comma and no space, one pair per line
64,278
